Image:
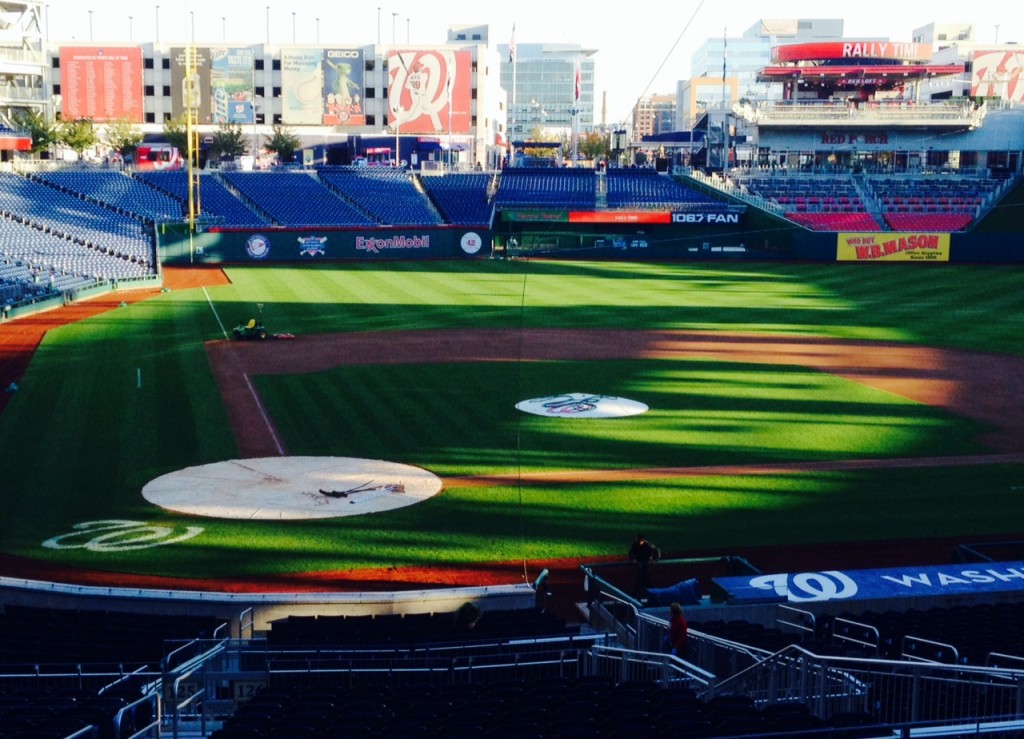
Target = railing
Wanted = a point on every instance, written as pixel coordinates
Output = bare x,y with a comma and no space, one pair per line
880,112
894,692
729,187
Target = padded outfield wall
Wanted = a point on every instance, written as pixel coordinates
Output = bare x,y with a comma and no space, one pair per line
247,246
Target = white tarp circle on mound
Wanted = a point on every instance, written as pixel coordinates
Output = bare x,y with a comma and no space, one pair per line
582,405
291,488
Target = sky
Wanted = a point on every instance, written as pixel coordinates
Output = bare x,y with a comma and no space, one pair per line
641,51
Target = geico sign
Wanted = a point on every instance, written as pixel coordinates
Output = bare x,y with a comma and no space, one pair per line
352,54
705,218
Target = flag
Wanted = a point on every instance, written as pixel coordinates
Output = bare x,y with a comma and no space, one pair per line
512,46
576,96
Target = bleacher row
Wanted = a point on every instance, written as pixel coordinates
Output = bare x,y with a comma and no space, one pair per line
839,203
548,708
38,642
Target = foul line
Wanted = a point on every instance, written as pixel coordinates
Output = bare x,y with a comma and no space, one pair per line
217,316
263,414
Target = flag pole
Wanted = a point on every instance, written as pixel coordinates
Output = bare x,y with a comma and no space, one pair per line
512,108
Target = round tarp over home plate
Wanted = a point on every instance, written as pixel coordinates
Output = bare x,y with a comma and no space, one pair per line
292,488
582,405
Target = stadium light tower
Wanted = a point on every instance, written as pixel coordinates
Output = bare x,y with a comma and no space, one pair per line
129,28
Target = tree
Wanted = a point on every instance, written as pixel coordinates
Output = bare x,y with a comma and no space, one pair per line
176,135
44,133
78,135
284,143
228,141
123,136
593,146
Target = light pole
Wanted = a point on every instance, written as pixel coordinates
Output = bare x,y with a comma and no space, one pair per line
394,17
268,27
378,25
156,31
293,26
47,21
317,31
90,25
223,29
129,29
406,30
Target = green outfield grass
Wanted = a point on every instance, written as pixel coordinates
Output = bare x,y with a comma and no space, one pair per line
113,402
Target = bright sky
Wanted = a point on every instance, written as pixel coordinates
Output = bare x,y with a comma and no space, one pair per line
642,50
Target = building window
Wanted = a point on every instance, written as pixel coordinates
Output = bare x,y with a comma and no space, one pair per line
165,63
257,64
55,62
259,91
147,63
472,121
149,91
150,117
277,119
369,65
56,89
260,119
371,92
167,117
276,65
167,91
371,120
277,92
472,93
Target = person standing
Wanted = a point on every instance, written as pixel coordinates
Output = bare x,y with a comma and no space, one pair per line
678,630
642,552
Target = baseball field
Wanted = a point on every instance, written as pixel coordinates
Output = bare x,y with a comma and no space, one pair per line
785,406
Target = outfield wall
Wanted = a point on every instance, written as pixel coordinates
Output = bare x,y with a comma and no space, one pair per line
248,246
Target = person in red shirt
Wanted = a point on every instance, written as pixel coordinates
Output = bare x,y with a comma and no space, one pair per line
677,631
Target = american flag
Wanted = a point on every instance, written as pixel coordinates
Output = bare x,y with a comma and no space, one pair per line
576,97
512,46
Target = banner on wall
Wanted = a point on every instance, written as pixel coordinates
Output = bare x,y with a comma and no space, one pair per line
343,87
199,83
893,247
231,84
429,91
998,74
101,83
302,84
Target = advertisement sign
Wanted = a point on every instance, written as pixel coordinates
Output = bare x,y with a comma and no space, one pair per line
904,582
231,83
882,246
101,83
302,84
998,74
197,85
343,88
429,91
831,50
